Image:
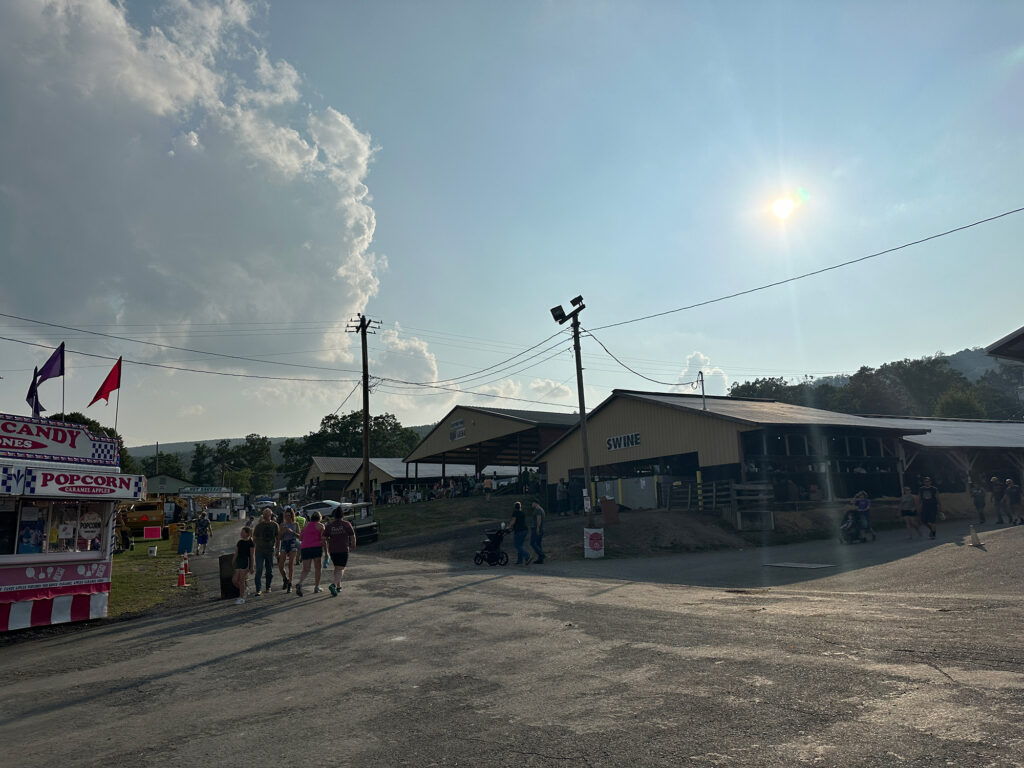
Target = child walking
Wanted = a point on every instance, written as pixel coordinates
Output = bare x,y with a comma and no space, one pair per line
244,562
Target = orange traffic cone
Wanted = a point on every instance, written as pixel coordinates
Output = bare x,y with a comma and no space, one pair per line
185,558
181,575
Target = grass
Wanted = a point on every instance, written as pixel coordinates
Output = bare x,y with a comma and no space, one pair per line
425,516
140,582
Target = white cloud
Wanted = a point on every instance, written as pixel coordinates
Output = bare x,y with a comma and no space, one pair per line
505,388
716,382
546,389
187,411
203,190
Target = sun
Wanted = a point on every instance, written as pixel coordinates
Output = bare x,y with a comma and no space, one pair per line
783,207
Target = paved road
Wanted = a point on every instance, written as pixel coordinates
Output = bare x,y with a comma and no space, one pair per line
904,653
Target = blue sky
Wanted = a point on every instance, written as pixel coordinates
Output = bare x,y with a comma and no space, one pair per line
242,178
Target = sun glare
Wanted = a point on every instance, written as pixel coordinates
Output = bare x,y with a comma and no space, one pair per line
783,207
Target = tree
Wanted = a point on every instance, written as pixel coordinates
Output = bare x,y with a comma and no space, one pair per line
201,468
164,464
959,403
128,464
770,388
239,480
343,436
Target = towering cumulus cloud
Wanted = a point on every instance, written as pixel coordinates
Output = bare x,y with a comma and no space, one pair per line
167,170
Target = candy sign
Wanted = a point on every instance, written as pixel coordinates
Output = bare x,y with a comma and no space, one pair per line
31,438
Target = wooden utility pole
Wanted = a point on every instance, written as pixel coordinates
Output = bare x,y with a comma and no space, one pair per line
362,327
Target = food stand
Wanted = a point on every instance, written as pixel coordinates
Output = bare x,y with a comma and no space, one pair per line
59,486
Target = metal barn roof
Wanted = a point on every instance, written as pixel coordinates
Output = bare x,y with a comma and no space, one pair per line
1010,347
962,433
768,412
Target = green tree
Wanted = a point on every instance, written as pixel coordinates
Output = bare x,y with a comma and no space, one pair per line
770,388
128,464
959,403
343,436
202,469
239,480
164,464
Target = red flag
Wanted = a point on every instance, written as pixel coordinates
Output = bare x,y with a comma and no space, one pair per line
112,382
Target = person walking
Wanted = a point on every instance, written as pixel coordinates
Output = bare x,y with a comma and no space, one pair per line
862,504
288,548
488,488
928,503
1013,502
908,512
312,543
265,536
339,540
518,527
243,562
998,491
202,533
537,531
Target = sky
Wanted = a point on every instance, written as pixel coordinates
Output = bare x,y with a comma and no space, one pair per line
219,187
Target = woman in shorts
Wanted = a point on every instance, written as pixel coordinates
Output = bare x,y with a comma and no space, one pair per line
312,543
288,548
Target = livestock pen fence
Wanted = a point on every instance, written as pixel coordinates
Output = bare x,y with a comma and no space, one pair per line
747,506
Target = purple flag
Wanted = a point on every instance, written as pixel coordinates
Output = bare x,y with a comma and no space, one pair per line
33,396
53,367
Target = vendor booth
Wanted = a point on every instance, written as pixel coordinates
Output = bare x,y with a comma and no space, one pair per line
59,485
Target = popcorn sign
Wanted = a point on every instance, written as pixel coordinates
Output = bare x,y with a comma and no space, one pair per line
48,483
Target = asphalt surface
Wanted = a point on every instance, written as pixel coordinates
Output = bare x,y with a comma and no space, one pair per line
897,653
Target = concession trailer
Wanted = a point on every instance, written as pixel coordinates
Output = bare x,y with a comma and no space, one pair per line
59,488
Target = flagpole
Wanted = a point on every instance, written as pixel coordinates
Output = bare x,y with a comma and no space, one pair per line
117,405
63,408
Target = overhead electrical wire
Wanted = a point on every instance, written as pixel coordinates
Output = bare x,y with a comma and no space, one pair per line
793,279
496,367
185,370
635,373
178,349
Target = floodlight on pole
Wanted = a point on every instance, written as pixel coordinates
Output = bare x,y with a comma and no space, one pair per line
561,318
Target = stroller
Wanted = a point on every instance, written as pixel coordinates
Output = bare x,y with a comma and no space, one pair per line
490,551
850,528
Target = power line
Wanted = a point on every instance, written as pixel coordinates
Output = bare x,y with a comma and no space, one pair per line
185,370
812,274
177,349
346,399
635,373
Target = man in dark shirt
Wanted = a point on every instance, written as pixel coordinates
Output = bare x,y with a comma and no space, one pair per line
265,536
929,504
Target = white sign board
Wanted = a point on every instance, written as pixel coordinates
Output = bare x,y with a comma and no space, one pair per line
22,437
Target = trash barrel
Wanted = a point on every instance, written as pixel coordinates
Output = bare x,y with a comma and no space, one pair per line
185,541
227,571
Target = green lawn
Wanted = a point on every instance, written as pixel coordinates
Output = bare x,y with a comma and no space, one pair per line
425,516
139,582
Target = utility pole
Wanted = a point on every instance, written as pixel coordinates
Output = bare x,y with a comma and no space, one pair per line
362,327
560,317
